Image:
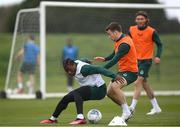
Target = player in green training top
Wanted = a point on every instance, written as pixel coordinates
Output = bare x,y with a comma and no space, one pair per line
93,87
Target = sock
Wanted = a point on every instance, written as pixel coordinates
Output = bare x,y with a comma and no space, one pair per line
125,108
133,104
80,116
20,85
53,118
154,103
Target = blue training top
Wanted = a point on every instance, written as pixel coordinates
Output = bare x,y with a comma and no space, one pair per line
70,52
31,52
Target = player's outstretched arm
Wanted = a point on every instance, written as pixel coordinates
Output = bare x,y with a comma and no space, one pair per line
93,69
99,59
103,59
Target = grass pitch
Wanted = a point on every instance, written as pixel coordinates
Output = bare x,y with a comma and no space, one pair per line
31,112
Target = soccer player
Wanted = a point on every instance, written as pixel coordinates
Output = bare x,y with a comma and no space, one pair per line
93,87
30,54
124,54
144,37
70,51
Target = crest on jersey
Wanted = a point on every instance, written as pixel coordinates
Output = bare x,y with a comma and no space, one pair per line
141,72
125,74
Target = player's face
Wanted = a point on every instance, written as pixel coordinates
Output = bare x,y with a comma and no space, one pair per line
71,70
112,35
140,20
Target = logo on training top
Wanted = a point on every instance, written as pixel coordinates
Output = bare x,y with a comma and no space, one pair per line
141,72
125,74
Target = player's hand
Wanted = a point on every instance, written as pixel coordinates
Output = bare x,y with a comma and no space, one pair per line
119,79
99,59
157,60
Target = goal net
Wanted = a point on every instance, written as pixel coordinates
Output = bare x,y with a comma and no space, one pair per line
54,23
26,26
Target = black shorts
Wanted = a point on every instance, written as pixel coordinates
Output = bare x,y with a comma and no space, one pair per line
91,92
129,76
28,68
144,67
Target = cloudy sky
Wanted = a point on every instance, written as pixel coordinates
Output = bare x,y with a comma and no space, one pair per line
171,13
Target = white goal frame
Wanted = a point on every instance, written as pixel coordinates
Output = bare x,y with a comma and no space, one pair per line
42,12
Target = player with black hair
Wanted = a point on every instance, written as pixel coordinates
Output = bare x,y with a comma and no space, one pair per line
93,87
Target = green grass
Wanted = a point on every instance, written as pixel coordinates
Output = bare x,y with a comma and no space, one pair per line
31,112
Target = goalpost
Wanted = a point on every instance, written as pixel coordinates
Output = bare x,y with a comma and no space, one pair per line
42,11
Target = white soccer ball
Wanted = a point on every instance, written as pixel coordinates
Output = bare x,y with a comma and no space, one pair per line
94,116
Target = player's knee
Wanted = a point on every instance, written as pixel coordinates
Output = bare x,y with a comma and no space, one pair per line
66,98
112,89
115,86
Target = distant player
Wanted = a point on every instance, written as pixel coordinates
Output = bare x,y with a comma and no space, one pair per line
69,51
144,38
93,87
30,54
124,54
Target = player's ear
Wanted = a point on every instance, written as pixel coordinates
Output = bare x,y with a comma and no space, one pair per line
116,32
147,21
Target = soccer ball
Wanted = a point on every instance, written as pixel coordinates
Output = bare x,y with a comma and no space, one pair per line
94,116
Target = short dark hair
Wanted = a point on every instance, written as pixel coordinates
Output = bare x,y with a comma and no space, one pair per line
114,26
143,13
67,62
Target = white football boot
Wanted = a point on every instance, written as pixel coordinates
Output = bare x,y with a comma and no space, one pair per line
126,117
154,111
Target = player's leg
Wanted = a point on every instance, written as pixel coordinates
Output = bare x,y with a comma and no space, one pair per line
137,92
148,89
144,66
20,79
30,70
116,94
30,83
150,94
86,93
62,105
78,96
